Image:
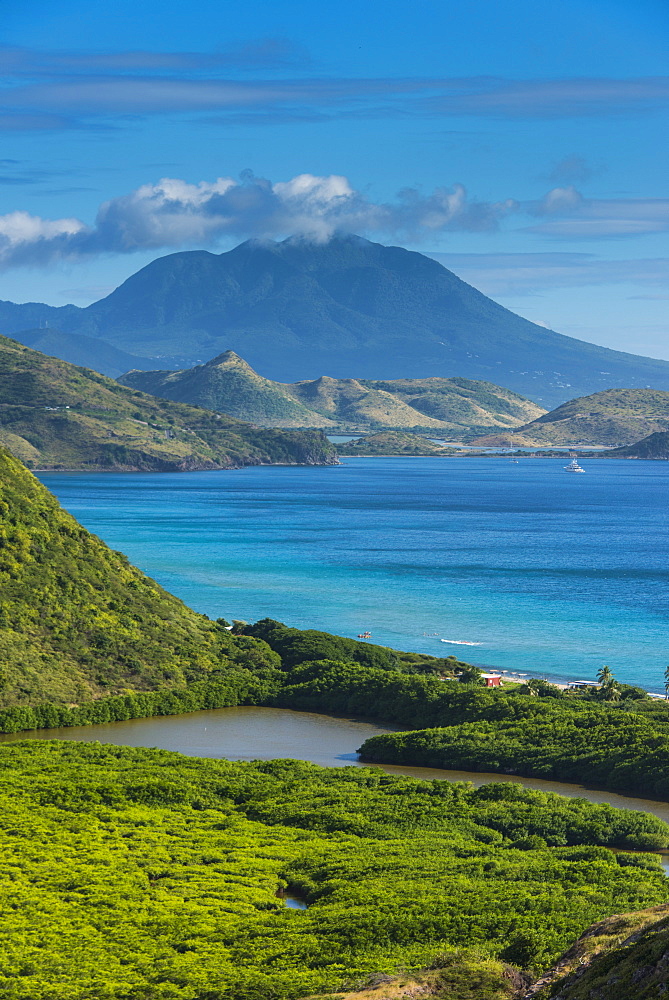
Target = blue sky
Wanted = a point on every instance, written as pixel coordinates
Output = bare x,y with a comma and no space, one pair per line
523,144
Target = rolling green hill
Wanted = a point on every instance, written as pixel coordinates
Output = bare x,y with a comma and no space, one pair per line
453,406
227,383
56,416
616,417
347,306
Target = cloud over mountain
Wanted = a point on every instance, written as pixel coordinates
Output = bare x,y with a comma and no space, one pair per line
175,213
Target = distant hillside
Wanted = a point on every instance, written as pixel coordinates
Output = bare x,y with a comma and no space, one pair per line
54,416
87,352
614,417
655,446
393,443
77,621
625,957
345,307
453,406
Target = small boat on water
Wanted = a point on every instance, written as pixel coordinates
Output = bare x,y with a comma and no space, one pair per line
573,466
461,642
364,635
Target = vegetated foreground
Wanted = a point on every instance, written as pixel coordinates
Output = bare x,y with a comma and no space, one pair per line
140,874
56,416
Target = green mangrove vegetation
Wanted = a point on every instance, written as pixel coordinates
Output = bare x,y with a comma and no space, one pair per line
143,874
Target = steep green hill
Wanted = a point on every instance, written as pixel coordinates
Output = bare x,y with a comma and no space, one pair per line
77,621
54,416
452,406
614,417
347,306
227,383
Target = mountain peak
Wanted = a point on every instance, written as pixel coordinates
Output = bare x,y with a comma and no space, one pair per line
229,358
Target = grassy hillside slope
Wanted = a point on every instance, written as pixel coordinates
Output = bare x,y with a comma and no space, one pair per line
655,446
77,621
624,956
54,415
614,417
451,406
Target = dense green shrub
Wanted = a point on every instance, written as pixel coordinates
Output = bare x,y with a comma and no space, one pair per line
130,874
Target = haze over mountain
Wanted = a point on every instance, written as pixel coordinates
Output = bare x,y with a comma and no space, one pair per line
345,308
449,406
87,352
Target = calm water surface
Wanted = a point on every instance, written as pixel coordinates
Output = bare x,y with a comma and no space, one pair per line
250,733
553,574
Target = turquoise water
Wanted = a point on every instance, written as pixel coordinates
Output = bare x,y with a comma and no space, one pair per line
554,574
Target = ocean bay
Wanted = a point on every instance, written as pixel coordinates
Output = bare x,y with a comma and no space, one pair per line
552,574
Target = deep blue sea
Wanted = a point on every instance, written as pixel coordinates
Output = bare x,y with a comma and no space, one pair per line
553,574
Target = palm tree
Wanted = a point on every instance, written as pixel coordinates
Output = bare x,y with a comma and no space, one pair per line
611,692
605,676
470,675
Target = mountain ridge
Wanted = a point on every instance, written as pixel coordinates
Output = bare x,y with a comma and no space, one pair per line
54,415
348,305
229,384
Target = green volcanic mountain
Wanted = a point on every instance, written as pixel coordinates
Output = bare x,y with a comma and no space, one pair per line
453,406
347,307
54,415
615,417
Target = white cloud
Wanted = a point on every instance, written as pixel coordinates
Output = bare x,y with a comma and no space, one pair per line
174,213
568,215
559,201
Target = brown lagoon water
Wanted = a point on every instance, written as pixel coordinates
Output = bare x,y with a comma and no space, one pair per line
251,733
